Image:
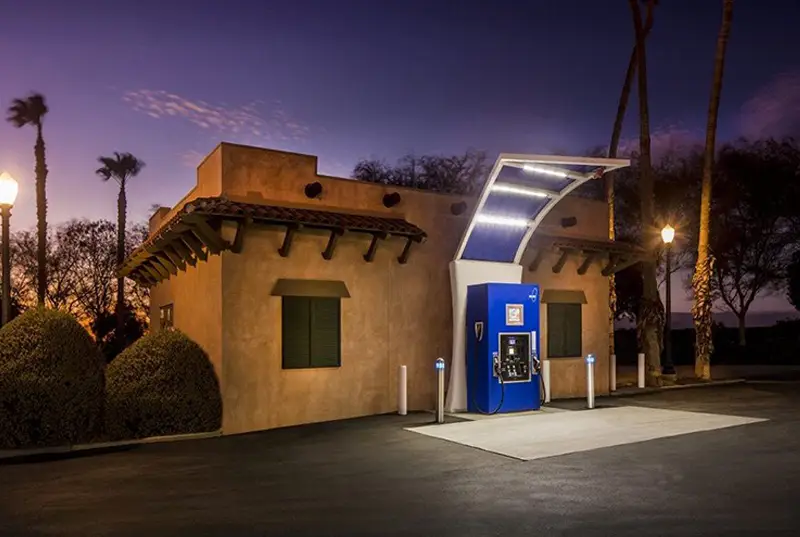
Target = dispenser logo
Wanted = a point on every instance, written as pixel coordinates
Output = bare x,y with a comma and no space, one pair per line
534,296
479,330
515,315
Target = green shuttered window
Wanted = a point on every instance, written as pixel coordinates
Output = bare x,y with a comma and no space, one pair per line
563,330
311,332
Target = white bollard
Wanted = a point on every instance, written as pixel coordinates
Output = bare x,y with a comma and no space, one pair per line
439,390
612,377
546,379
402,391
590,380
640,370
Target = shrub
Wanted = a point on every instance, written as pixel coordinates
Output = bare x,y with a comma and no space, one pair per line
51,381
161,385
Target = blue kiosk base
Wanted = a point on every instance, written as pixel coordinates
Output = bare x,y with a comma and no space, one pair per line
502,348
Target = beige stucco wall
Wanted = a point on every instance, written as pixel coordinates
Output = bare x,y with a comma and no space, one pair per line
568,375
196,297
397,314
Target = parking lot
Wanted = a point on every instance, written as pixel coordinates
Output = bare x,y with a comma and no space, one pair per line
370,476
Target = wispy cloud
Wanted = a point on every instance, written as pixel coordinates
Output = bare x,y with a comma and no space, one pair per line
775,108
191,158
664,140
251,122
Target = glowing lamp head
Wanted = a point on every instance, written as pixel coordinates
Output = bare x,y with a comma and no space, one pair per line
668,234
8,190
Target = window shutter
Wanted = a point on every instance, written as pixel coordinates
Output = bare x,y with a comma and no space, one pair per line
325,347
564,330
295,332
573,328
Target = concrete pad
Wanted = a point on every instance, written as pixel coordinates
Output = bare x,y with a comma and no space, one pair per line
550,434
475,416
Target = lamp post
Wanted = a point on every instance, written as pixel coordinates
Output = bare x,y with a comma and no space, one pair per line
668,235
8,195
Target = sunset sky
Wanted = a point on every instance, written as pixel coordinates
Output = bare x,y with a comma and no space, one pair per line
167,80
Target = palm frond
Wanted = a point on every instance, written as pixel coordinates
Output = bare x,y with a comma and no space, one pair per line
18,113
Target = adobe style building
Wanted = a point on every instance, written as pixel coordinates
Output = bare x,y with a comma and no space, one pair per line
308,292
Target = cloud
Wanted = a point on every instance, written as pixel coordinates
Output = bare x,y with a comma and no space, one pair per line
664,140
774,111
251,122
191,158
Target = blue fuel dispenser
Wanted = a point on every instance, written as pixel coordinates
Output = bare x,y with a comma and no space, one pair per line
503,367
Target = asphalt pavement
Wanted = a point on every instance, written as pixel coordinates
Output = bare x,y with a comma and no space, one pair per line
369,476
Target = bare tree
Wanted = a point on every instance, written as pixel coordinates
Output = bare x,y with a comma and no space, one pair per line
455,174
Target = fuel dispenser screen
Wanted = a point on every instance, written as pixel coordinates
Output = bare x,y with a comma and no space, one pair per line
515,357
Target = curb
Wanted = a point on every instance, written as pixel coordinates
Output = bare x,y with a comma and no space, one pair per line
13,454
636,391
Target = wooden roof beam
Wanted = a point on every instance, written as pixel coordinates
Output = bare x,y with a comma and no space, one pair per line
212,240
286,247
373,246
331,247
182,250
537,260
173,256
238,240
565,253
194,244
590,256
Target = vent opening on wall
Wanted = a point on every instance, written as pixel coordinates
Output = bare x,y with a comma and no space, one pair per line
390,200
313,190
458,208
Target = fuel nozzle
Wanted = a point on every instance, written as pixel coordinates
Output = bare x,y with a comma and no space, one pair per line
535,362
496,364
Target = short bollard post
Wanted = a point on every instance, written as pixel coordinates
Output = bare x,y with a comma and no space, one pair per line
590,380
402,391
612,376
640,370
440,390
546,379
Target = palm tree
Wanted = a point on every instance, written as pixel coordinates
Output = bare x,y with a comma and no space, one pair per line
616,134
701,279
651,312
121,167
31,111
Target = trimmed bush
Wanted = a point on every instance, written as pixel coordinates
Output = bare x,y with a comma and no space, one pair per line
163,384
51,381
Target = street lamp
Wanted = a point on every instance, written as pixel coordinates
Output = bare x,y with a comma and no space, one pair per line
8,195
668,235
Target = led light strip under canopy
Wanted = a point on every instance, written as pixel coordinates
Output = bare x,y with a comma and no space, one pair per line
498,220
521,191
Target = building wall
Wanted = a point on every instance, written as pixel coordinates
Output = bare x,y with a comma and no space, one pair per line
568,375
397,314
196,298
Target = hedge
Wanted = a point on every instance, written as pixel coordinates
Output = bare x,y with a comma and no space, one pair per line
51,381
163,384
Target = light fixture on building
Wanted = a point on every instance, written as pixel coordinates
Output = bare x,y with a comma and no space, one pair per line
532,168
501,220
519,190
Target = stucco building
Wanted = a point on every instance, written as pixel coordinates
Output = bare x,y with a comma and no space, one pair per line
308,292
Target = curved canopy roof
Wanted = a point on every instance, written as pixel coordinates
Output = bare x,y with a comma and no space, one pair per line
520,191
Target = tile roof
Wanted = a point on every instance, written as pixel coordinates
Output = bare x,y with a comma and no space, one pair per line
220,208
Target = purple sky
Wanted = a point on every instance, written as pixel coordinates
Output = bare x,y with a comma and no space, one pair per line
342,79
